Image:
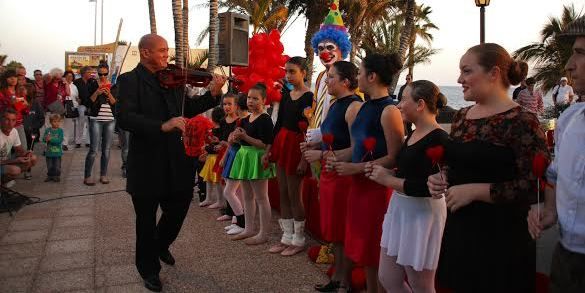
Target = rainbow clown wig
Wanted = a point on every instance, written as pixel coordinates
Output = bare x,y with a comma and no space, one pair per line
333,30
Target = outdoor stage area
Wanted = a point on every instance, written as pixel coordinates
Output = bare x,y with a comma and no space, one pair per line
86,244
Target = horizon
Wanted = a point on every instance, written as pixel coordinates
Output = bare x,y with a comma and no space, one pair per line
452,38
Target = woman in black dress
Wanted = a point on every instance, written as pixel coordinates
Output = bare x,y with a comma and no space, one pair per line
489,184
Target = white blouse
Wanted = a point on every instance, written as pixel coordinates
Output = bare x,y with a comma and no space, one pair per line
74,95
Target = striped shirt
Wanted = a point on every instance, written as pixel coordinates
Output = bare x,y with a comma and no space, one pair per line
531,102
105,113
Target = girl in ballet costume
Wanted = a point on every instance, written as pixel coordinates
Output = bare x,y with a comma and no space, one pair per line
251,167
286,152
377,133
214,196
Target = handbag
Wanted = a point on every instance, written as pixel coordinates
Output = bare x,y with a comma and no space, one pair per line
56,107
70,110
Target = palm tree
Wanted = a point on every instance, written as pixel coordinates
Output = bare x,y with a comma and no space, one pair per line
178,23
422,26
314,12
213,30
405,36
384,38
550,54
186,30
265,15
152,16
363,13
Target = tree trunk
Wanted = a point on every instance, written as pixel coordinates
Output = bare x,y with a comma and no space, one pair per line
315,16
152,16
186,33
411,58
213,30
404,39
178,23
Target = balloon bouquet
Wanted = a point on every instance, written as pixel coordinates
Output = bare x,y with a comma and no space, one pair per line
266,65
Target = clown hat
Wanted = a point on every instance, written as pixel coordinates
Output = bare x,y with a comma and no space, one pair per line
333,19
334,30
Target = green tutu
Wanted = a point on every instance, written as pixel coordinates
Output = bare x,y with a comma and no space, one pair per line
247,165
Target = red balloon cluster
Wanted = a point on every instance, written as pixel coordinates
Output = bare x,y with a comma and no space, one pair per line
266,65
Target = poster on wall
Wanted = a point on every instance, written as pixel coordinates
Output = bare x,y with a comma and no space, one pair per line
75,60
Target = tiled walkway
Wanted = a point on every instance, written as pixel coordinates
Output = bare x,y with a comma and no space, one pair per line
86,244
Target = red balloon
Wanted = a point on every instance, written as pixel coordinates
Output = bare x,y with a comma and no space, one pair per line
237,70
274,35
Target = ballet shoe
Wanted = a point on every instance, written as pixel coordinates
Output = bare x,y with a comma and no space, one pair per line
292,250
224,218
278,248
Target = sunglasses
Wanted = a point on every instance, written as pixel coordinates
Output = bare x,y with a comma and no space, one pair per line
103,74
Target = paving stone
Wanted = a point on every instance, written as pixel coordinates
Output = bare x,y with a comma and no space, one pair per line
64,281
31,224
18,266
16,284
43,210
69,246
74,221
126,288
61,262
116,275
21,250
67,233
24,236
77,211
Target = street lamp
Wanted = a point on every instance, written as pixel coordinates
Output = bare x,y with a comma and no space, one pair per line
482,4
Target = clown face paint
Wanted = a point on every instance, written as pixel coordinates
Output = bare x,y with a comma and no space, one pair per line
329,53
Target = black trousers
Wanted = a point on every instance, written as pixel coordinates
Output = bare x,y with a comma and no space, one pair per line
152,237
567,271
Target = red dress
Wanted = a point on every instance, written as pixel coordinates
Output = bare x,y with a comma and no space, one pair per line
285,150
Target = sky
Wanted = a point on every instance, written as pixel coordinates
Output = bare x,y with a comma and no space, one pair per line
38,32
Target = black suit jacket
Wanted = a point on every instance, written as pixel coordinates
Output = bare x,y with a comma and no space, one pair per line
157,164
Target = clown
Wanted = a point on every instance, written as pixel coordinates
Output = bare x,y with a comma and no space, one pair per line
331,43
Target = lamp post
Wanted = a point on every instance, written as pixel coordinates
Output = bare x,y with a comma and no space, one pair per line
482,4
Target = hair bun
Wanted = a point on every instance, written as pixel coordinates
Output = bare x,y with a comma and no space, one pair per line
517,72
393,61
441,101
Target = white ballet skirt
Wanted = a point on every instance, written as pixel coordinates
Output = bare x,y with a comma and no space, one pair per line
413,230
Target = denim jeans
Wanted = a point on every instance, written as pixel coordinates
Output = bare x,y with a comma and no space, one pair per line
53,166
100,132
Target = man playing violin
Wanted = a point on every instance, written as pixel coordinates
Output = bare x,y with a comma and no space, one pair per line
158,173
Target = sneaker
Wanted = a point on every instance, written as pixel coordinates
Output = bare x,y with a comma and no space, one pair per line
235,230
10,183
27,175
227,228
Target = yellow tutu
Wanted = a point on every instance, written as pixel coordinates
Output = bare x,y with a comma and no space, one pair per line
207,171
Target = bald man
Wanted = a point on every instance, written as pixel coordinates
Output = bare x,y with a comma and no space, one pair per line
158,171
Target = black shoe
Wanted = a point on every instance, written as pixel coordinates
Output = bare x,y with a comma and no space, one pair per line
332,286
153,283
77,145
167,258
87,145
65,148
57,179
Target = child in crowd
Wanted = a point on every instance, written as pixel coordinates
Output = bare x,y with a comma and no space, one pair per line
232,190
286,152
377,134
214,193
53,136
251,166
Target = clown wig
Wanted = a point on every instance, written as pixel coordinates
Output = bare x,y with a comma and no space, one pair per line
334,34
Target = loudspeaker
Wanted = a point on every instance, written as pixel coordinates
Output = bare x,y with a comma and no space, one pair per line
232,40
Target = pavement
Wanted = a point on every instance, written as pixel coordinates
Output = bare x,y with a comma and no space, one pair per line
87,244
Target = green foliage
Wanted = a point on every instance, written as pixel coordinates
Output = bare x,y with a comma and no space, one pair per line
12,65
550,54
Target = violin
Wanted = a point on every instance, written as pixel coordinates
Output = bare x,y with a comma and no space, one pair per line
174,76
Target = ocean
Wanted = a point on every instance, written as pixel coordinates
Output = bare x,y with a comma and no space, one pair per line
455,99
